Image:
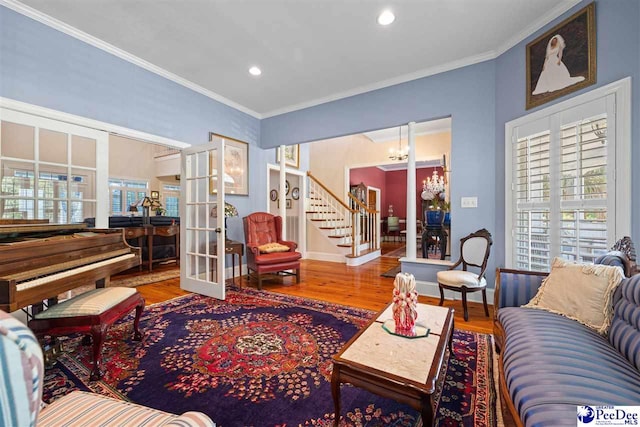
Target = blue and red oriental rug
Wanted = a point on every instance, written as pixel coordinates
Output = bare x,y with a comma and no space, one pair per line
262,359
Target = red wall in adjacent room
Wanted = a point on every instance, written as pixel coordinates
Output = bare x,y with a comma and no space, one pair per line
393,187
396,193
372,177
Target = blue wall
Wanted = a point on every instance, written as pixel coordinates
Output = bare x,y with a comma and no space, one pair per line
618,56
42,66
466,94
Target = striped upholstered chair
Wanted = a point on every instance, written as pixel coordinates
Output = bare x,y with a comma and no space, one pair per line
21,376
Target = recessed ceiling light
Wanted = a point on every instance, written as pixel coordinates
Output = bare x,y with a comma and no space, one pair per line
255,71
386,18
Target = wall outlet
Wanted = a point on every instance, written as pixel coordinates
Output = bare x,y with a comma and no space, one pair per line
469,202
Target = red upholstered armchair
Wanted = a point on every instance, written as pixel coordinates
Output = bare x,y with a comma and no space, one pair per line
261,229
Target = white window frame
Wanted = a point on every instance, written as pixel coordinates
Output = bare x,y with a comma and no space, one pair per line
171,190
96,172
123,190
620,205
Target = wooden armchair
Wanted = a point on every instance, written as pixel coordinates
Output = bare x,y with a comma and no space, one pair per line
474,251
267,253
622,253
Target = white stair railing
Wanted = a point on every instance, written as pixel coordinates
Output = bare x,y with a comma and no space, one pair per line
367,223
353,226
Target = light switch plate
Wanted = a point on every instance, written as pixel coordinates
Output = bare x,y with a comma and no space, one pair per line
469,202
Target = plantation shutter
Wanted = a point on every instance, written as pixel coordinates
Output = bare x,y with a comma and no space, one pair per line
583,186
533,229
562,186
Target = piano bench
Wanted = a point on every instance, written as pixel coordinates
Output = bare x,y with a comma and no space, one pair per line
92,313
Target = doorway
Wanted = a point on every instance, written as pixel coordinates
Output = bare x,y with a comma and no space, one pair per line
294,199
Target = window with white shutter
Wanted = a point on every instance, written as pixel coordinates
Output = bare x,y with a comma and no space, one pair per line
125,193
567,189
532,188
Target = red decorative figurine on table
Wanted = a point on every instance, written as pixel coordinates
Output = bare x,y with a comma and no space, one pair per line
405,300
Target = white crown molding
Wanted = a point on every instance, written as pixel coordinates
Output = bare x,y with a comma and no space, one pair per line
421,164
23,107
102,45
536,25
389,136
386,83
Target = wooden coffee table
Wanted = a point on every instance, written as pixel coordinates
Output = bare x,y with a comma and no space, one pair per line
404,369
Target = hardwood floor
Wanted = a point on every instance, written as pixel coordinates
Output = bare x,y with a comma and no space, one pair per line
361,286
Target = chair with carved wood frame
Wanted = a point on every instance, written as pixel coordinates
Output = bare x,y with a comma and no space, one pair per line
260,229
474,251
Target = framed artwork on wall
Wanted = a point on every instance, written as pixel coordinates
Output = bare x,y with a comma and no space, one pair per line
287,203
155,195
291,155
563,59
236,166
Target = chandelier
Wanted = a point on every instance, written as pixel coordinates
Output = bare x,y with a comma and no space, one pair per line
432,186
400,154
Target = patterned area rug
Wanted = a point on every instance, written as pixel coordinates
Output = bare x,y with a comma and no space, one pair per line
262,359
127,282
145,279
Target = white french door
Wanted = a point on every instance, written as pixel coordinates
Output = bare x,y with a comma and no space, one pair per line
201,270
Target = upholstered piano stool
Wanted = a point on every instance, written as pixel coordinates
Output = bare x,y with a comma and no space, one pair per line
92,313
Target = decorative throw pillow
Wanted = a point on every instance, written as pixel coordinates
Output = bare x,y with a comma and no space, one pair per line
273,247
582,292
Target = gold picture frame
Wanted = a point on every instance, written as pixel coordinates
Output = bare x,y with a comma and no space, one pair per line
563,59
291,155
236,166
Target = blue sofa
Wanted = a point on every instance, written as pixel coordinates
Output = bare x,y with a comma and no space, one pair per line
550,364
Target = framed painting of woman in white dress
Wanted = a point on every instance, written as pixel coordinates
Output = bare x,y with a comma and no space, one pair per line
563,59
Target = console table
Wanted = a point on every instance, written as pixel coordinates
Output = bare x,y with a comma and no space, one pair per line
149,231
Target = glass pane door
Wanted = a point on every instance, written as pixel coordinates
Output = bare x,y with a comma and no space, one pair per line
201,234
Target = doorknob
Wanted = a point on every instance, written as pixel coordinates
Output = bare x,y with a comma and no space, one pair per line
218,230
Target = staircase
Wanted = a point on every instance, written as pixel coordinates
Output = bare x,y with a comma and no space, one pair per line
353,231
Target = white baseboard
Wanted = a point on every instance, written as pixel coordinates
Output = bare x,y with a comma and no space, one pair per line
323,256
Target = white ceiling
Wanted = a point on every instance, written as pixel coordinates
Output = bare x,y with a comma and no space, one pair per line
310,51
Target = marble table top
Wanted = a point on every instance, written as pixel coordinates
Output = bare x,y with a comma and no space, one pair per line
380,350
429,316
